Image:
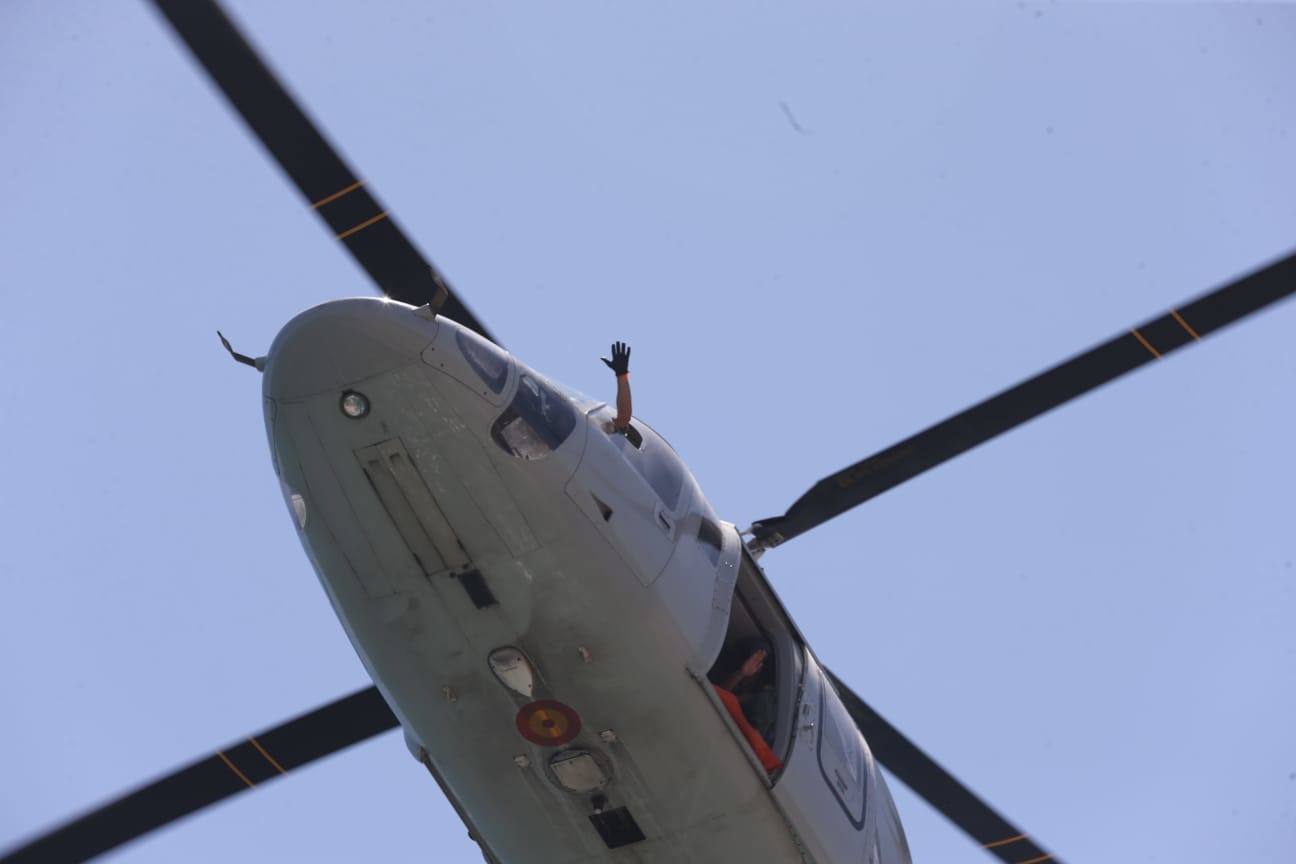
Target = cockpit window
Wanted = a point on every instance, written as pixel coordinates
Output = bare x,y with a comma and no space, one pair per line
709,537
655,461
488,361
536,422
583,402
633,435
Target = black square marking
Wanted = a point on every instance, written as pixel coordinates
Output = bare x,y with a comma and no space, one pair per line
617,827
478,591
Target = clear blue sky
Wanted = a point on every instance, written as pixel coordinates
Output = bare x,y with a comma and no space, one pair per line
1089,620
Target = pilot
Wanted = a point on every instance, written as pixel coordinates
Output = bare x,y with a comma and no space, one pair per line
758,700
756,691
620,366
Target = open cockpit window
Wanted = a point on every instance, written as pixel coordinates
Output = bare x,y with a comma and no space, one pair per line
759,694
631,434
486,359
537,421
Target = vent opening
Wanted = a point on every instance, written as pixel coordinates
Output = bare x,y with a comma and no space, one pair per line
604,510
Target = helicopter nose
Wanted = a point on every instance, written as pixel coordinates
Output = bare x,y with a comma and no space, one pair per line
341,342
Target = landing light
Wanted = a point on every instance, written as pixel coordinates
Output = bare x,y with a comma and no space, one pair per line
298,504
578,771
354,404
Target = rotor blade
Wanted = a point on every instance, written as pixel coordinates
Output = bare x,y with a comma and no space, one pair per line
852,486
240,766
348,208
939,788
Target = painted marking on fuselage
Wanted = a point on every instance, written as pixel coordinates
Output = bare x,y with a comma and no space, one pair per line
548,723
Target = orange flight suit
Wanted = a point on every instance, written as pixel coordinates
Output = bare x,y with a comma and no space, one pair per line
768,760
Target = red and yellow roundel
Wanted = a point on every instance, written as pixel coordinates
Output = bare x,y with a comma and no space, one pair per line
548,723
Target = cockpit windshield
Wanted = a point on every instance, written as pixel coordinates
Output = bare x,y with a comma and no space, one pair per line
650,455
537,421
486,359
584,403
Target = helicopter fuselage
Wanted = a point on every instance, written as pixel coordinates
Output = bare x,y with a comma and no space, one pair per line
541,599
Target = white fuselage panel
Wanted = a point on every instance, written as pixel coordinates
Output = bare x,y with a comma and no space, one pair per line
437,547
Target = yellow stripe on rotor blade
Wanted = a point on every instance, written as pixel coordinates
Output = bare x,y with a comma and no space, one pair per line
232,767
363,225
257,744
1004,842
1184,324
1146,344
338,194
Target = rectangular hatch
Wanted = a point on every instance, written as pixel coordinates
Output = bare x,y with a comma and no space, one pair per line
413,510
617,827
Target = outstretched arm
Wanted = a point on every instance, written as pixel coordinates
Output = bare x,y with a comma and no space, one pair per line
620,366
623,402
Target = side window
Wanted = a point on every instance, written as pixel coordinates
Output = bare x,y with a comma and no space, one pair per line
632,435
536,422
771,700
655,461
712,543
488,361
841,754
662,470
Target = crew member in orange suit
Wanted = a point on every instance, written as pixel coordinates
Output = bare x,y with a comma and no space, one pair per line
750,668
